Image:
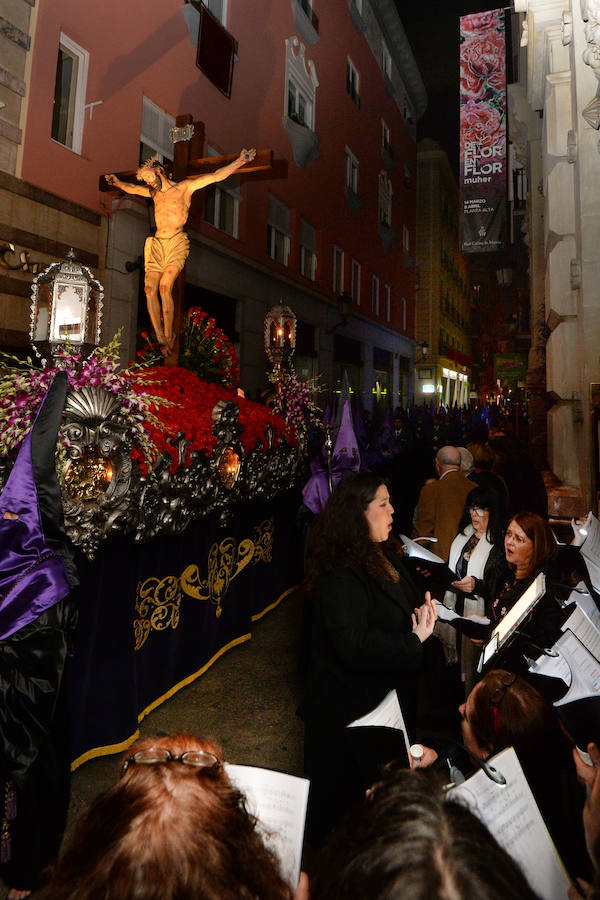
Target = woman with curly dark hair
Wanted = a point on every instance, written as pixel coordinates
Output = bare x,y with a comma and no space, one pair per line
368,625
172,828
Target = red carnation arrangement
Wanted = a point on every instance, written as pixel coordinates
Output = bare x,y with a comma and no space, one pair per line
190,408
207,351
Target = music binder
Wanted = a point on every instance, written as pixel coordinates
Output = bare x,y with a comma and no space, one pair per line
508,627
512,816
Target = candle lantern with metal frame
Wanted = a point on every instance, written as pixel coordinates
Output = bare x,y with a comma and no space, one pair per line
280,336
66,309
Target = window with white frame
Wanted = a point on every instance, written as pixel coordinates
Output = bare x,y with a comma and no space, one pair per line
338,270
386,60
222,203
300,106
386,142
301,84
308,250
278,231
375,295
155,138
69,94
355,286
351,175
387,296
352,81
218,8
405,239
385,199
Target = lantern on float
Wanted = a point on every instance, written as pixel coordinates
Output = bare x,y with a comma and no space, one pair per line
280,336
66,309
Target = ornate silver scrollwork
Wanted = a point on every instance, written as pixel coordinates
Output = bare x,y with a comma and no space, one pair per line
105,493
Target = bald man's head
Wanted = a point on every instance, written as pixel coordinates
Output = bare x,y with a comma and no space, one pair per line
447,458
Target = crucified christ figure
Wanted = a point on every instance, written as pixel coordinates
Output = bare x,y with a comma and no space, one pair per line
166,251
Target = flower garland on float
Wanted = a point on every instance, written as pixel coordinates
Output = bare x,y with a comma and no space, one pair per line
160,401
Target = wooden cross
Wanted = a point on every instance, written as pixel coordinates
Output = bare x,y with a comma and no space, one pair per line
187,163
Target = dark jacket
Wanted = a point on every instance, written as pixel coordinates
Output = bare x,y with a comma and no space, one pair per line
362,646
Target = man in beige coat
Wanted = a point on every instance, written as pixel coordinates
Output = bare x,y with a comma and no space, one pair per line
442,502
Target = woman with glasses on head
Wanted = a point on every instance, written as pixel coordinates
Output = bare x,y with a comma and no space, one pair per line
172,828
505,710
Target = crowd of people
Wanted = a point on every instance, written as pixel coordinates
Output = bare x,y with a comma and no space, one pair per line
381,673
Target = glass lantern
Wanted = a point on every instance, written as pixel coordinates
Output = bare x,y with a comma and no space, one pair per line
66,309
280,335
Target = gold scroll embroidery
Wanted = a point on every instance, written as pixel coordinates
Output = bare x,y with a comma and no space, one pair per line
158,600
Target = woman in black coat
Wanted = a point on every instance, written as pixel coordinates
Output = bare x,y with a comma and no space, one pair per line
367,627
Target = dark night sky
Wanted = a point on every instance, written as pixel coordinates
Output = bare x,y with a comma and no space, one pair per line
433,32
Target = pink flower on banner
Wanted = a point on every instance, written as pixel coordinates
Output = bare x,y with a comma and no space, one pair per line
480,22
471,86
481,124
484,56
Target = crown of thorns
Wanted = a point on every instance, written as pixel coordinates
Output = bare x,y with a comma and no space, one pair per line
150,164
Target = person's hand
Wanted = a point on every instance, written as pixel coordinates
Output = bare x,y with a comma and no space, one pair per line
423,618
585,773
466,584
302,892
428,758
247,155
582,889
111,179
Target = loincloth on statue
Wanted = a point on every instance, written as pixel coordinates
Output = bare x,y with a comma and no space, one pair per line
162,252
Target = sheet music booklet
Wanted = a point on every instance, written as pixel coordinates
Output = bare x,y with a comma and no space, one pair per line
439,570
512,816
508,626
279,802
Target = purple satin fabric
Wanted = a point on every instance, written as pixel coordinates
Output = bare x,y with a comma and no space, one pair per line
32,578
346,459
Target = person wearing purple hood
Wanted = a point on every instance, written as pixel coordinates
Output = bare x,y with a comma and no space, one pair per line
37,612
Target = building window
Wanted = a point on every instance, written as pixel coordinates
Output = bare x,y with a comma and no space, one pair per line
351,176
338,270
387,293
375,295
406,240
299,105
352,82
69,94
221,209
386,143
404,314
278,231
385,200
308,250
355,287
222,203
155,139
218,8
299,100
386,60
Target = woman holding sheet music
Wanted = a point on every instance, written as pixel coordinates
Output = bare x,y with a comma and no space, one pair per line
367,628
476,555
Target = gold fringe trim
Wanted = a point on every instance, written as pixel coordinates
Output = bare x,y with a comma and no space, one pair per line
123,745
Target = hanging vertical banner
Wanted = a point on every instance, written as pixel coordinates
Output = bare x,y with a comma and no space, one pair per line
483,163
